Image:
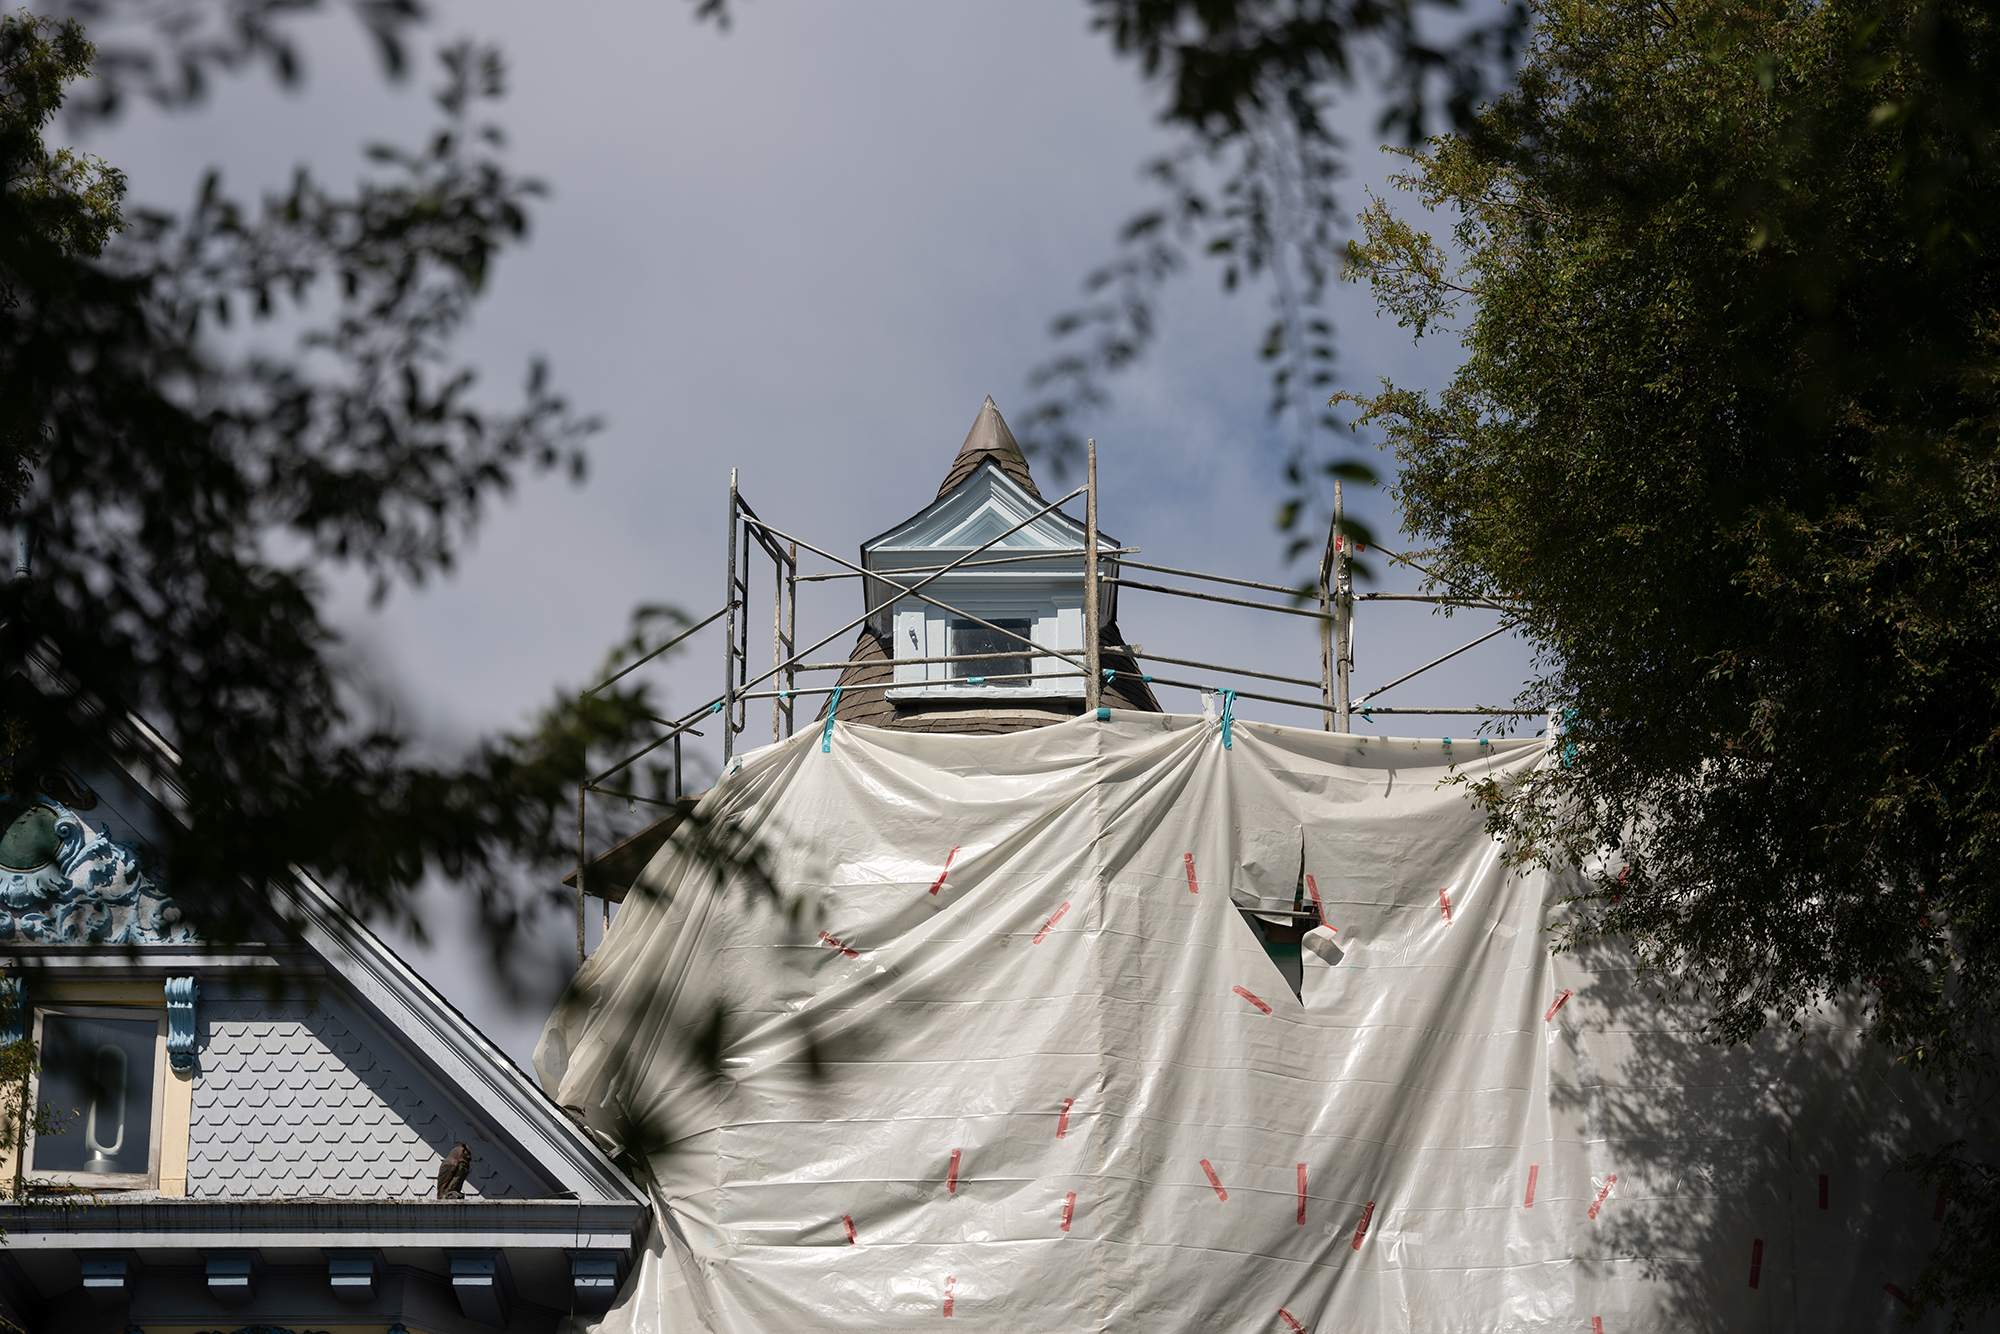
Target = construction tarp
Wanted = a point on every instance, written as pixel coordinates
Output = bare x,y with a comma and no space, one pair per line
997,1044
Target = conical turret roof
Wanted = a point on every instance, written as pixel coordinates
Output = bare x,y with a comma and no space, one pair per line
989,438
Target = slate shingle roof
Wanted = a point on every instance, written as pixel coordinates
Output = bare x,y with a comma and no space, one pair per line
291,1103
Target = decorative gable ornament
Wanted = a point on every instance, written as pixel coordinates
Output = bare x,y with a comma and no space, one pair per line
63,883
989,612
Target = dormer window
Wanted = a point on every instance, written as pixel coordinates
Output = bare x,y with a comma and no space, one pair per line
1023,592
975,644
101,1070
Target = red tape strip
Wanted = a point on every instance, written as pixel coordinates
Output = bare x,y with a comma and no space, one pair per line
1069,1209
951,1182
1557,1004
847,1221
1252,999
1534,1169
1188,857
1291,1321
1062,1122
947,869
1604,1193
1050,925
1898,1294
1318,906
1444,902
837,943
1756,1259
1361,1228
1302,1194
1215,1181
949,1283
1597,1324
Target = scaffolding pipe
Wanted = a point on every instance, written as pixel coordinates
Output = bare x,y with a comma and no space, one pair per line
650,747
637,663
791,629
1216,667
915,662
1434,662
1092,614
1216,597
1475,712
1051,554
1430,597
729,630
1212,578
1326,672
1343,605
1209,690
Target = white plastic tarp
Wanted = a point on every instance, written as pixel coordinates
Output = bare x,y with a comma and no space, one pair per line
1061,1085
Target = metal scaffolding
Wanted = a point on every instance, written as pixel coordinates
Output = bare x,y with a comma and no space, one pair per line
1333,607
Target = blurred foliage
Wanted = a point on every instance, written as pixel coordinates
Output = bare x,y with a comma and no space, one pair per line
1728,286
1249,86
21,1120
188,501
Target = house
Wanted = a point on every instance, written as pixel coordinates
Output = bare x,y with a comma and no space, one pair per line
1002,1031
251,1134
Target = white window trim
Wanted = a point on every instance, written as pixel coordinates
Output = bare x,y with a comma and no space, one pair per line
1053,608
150,1178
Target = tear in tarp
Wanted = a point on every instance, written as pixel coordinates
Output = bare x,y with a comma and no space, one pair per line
1070,1089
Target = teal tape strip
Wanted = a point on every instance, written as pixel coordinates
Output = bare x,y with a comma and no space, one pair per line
1228,718
975,680
715,707
1104,715
826,736
1569,747
1110,675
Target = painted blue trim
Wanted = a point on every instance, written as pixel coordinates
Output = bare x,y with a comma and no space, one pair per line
182,995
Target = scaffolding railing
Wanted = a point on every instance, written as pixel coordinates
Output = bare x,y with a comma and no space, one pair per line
1331,602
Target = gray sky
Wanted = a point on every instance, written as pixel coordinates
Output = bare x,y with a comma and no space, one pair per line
808,248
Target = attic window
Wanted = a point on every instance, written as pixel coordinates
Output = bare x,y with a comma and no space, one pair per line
101,1071
971,638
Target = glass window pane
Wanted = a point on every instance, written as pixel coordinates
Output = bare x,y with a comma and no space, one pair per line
98,1075
972,637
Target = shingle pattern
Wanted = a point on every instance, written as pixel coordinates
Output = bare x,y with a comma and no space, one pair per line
289,1102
